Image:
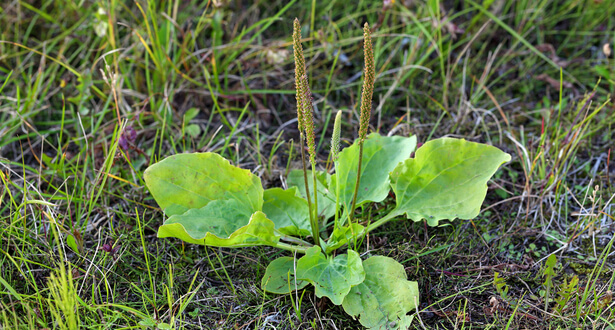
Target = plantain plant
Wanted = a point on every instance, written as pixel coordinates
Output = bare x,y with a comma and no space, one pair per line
208,201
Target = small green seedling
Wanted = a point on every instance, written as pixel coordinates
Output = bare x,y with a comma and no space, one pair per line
500,286
548,274
208,201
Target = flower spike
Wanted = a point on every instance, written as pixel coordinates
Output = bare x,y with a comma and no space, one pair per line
335,138
368,83
299,73
369,77
305,121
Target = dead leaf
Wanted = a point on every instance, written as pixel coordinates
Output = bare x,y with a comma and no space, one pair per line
548,48
495,303
606,49
553,82
276,56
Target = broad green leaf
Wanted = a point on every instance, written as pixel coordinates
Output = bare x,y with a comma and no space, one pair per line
331,277
385,296
447,179
380,156
280,277
221,223
326,199
193,130
343,235
288,211
190,181
190,114
72,243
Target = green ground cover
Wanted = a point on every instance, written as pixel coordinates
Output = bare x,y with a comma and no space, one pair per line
94,92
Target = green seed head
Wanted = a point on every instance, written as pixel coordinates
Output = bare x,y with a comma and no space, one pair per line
308,118
368,83
335,138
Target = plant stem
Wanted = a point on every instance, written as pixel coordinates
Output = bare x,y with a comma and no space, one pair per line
354,198
307,194
292,248
292,239
356,186
337,204
315,226
394,213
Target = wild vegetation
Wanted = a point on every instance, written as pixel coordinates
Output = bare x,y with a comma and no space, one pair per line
94,93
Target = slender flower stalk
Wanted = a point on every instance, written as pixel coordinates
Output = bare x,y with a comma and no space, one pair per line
305,121
369,77
335,153
308,126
